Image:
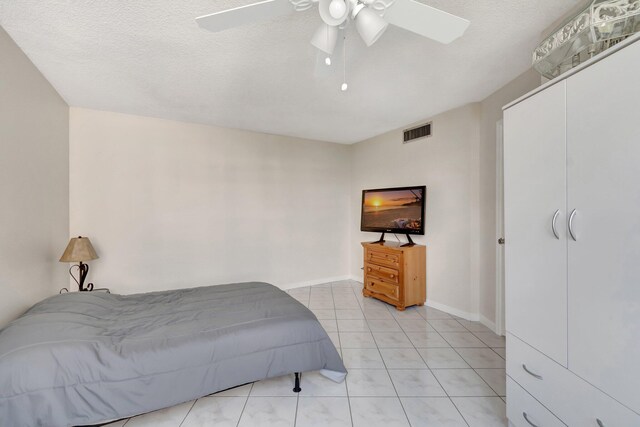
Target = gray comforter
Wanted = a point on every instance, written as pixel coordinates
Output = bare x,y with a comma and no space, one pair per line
86,358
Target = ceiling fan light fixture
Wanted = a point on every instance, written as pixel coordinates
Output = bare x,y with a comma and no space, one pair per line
325,38
329,11
370,25
356,9
337,8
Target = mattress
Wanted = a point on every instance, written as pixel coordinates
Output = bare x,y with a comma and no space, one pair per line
87,357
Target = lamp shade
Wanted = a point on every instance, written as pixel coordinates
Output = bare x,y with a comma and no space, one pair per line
370,25
325,38
79,249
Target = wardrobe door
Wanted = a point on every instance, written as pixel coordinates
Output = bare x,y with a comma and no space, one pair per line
603,137
535,244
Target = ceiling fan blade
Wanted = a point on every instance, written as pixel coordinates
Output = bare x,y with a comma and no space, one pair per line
242,15
426,21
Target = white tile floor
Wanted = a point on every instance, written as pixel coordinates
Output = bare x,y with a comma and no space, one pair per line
420,367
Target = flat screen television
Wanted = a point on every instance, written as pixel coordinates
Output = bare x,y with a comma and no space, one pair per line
394,210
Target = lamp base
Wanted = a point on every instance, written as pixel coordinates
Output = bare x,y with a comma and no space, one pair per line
83,270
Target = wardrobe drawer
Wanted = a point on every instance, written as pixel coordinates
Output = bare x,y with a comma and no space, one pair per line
381,288
383,258
543,378
573,400
384,273
525,411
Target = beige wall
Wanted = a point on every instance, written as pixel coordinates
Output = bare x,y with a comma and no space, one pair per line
491,114
171,204
458,166
34,183
447,163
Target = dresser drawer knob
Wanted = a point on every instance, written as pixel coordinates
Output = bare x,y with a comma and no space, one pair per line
600,423
531,373
526,418
392,275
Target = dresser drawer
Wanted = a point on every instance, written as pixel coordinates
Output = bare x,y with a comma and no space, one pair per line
384,273
573,400
525,411
383,258
381,288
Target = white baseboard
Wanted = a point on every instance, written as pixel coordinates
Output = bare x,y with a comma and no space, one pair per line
463,314
430,303
437,305
454,311
489,324
314,282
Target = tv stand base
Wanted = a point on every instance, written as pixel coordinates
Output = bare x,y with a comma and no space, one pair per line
381,240
409,243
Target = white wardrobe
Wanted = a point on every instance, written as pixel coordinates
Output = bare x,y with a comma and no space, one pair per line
572,251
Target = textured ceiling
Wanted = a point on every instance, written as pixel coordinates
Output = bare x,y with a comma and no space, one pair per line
150,58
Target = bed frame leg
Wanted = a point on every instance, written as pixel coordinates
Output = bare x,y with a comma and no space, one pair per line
296,387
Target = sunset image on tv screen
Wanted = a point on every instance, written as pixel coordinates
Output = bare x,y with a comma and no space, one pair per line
393,209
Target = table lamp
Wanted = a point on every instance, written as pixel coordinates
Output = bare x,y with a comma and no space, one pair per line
79,250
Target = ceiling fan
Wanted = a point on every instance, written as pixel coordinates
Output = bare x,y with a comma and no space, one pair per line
371,19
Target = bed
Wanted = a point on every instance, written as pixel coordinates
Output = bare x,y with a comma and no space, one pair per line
87,357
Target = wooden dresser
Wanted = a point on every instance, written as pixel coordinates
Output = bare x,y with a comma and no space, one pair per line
395,274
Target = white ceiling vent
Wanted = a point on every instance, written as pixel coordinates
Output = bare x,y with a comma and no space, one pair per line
422,131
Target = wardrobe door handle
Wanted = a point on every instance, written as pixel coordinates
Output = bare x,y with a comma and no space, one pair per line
531,373
573,214
526,418
553,224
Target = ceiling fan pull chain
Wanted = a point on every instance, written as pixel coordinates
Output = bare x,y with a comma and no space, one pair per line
327,60
344,86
